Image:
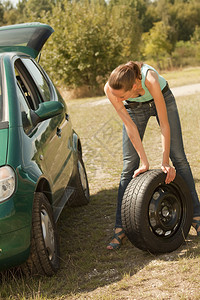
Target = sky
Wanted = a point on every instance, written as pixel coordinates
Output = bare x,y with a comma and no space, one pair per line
14,2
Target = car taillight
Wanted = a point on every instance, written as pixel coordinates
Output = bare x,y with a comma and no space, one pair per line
7,182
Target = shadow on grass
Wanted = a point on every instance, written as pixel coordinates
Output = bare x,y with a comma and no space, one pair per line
85,233
86,264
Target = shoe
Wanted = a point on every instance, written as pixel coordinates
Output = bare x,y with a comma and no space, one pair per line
116,246
196,225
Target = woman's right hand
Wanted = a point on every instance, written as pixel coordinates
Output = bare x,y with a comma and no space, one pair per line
140,170
170,171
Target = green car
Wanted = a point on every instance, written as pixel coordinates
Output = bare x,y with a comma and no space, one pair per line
41,165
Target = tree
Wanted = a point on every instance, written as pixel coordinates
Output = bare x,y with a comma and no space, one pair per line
195,40
149,17
128,28
187,18
156,44
34,9
1,13
84,47
9,13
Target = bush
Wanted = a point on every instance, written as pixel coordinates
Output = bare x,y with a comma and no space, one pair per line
185,54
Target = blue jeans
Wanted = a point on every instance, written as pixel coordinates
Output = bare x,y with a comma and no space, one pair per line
140,116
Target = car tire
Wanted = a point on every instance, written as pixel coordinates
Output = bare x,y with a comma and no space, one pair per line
156,216
44,252
81,195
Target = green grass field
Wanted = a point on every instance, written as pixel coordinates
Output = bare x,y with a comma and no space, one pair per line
88,270
183,77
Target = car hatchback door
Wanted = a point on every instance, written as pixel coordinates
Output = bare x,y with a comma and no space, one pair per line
27,38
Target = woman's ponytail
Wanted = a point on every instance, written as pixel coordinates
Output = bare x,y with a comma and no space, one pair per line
135,66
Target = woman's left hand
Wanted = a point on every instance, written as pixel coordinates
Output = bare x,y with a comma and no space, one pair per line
170,171
142,169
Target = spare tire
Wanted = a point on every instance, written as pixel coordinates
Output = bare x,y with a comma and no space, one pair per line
156,216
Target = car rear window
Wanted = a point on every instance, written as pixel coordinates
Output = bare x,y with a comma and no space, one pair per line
15,37
23,37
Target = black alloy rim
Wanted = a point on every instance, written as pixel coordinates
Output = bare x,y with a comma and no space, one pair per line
165,211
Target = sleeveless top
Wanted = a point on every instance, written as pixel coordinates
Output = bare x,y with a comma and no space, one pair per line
147,96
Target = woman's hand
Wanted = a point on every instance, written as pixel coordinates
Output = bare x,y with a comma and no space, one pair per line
170,171
142,169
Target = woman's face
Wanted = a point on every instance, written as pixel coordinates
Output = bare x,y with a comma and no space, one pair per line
122,95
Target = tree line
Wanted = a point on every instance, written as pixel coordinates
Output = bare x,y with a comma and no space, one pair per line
92,37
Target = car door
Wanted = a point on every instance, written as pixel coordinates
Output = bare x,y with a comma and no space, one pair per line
55,139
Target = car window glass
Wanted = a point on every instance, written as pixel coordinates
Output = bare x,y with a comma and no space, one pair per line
39,78
24,108
27,85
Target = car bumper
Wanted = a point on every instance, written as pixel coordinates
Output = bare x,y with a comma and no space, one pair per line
14,248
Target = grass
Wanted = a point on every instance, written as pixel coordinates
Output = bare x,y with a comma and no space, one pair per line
182,76
88,270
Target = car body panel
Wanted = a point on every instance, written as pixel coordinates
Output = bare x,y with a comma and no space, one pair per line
27,38
3,143
18,250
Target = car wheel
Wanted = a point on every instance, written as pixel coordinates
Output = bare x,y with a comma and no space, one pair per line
81,195
157,216
44,253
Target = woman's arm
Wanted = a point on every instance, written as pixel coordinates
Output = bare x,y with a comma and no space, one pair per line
131,129
153,86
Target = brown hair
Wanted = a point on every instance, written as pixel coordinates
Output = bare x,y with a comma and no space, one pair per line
124,76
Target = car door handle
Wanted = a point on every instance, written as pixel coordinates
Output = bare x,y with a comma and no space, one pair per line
58,132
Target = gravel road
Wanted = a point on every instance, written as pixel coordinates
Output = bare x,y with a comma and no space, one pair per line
185,90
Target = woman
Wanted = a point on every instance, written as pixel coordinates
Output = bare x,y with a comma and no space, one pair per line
138,92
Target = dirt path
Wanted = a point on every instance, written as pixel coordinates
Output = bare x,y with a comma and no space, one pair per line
185,90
